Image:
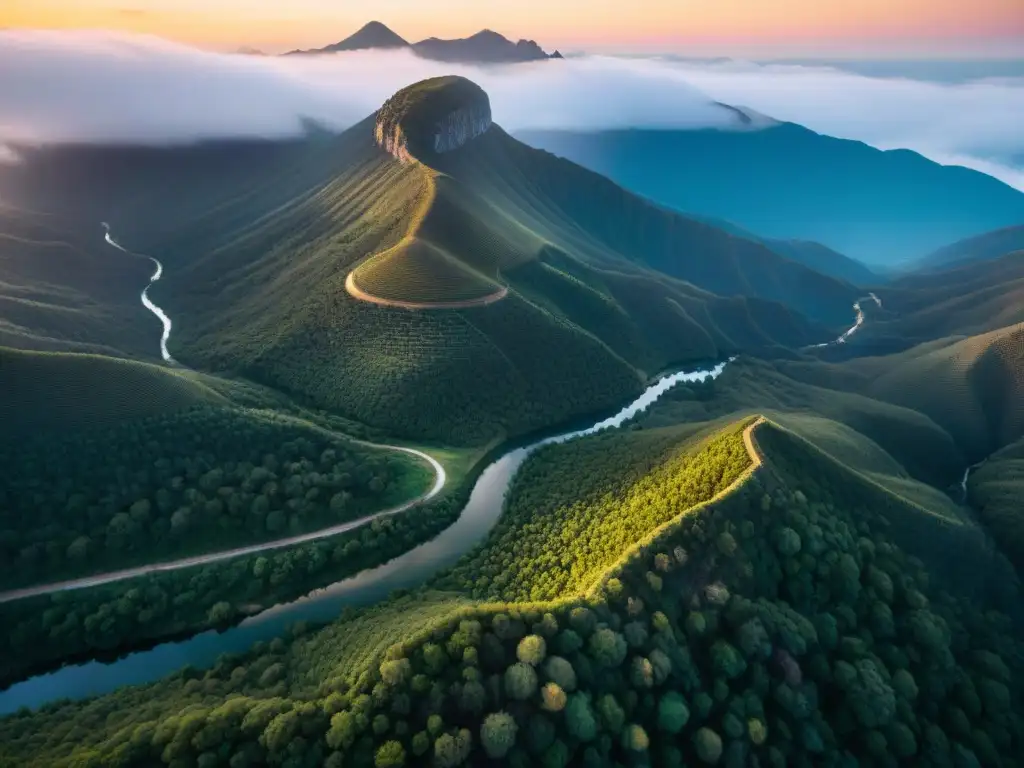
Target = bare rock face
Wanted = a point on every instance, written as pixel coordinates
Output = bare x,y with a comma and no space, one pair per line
432,117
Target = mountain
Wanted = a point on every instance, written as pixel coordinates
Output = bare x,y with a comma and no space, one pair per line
542,291
970,386
836,622
818,257
485,47
965,300
989,245
785,181
373,35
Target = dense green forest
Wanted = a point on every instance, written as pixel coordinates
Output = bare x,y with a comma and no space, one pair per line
44,631
563,526
180,483
784,623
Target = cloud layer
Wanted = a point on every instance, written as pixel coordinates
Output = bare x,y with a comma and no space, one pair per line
106,87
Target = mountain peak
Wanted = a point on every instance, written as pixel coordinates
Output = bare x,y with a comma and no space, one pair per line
433,116
371,35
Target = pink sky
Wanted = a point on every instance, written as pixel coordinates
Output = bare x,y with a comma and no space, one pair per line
866,28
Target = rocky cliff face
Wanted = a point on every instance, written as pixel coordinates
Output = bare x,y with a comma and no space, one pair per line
433,116
461,126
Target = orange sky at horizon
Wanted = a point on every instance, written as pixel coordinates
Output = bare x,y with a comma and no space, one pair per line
705,27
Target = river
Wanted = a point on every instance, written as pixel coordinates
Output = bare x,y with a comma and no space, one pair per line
416,566
858,313
146,301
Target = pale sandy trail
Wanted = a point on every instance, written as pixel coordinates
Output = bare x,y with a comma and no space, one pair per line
440,477
358,293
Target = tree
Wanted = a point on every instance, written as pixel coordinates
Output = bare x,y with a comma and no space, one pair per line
391,754
531,650
498,734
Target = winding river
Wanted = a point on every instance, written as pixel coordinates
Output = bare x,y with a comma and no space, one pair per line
858,322
480,514
146,302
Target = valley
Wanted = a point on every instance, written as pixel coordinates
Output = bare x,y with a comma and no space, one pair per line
422,445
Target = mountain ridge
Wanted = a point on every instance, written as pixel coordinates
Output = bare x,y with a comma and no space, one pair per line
486,46
891,206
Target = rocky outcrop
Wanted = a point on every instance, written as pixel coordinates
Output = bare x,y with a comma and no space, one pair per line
462,126
432,117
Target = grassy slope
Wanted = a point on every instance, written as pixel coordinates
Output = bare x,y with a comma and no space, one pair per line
970,386
963,300
818,257
62,288
996,490
310,677
917,444
593,218
61,391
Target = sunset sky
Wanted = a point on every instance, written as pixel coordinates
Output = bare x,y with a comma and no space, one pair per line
766,28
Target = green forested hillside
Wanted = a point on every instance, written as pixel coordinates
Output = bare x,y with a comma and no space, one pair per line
45,392
962,300
996,490
785,622
172,484
603,289
915,442
62,288
970,386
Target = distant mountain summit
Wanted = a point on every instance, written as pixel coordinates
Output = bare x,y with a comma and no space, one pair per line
485,47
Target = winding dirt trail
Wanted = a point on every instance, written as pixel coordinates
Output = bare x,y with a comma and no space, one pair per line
440,478
358,293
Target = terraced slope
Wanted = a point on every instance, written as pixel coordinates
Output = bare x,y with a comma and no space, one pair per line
785,622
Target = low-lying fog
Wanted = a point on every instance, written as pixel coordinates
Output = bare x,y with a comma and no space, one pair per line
110,87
